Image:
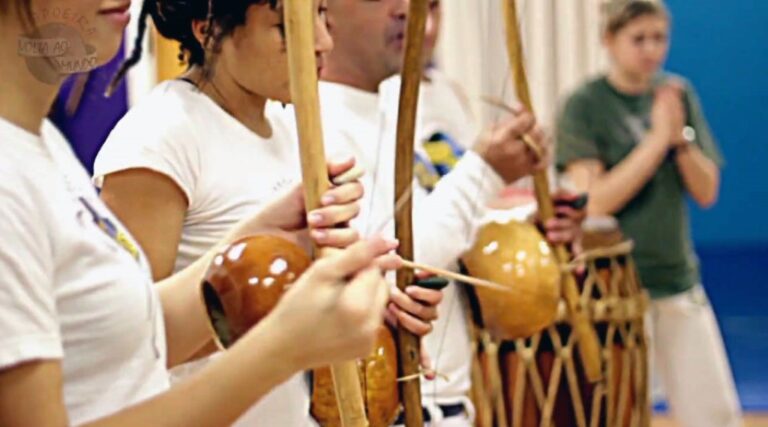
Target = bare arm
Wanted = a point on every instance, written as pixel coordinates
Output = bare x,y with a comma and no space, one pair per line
701,175
610,191
31,395
153,208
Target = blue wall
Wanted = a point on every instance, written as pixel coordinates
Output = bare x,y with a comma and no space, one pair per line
722,47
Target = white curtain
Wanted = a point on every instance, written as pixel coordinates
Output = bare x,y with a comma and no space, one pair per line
143,77
561,39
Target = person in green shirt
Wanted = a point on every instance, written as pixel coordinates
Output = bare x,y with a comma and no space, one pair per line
637,140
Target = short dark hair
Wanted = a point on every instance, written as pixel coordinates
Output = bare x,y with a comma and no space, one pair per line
173,20
624,12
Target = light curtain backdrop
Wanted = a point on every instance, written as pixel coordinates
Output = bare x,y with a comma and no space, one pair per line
561,39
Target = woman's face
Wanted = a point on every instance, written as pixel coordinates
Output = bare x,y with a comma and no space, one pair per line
640,48
255,53
75,35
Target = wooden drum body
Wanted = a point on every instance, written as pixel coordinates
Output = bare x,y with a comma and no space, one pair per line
544,384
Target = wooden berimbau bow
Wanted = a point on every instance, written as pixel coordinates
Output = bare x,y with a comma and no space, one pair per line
300,41
588,343
411,76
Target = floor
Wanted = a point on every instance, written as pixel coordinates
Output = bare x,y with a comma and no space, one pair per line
750,421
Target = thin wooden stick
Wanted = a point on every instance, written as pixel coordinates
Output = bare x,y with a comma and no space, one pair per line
408,344
447,274
300,41
495,102
587,340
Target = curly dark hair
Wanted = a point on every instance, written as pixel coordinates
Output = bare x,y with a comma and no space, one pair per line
173,20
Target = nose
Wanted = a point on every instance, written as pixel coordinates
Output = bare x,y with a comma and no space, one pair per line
400,9
323,39
651,47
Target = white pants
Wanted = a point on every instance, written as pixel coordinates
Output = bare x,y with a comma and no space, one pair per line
688,354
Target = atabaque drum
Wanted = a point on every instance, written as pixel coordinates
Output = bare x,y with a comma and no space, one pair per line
543,380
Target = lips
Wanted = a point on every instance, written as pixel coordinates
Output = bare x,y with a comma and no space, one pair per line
118,9
118,14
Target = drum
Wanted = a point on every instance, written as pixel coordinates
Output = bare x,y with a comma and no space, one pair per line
543,381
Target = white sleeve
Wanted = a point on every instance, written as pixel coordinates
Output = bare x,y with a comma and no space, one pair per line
29,327
447,220
169,150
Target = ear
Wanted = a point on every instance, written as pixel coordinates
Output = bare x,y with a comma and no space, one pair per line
199,29
608,39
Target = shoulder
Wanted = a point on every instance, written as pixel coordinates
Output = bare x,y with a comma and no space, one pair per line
440,81
446,89
587,98
164,125
26,168
667,76
26,184
169,110
18,177
588,92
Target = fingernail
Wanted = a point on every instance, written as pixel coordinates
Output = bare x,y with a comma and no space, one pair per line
328,199
314,218
319,234
393,243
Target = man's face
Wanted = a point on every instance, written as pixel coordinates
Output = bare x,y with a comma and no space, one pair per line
371,33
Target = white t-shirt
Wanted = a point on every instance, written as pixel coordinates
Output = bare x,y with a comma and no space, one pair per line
74,285
227,173
445,221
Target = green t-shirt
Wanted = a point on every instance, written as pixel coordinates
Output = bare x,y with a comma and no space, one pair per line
599,122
